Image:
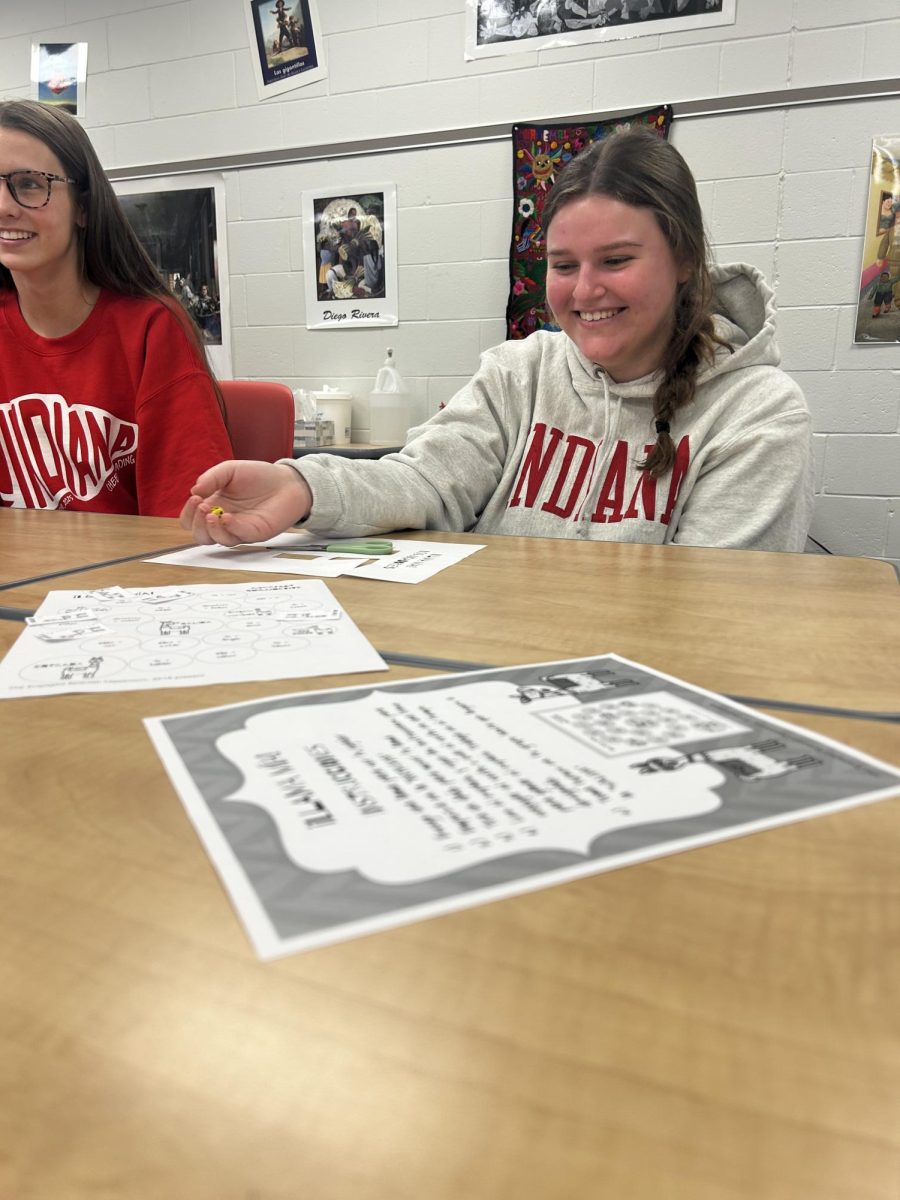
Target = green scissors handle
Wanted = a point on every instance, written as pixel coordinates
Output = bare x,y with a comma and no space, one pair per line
371,546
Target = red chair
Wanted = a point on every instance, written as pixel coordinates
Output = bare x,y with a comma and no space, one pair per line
260,418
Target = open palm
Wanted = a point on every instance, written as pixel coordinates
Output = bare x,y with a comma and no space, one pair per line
258,500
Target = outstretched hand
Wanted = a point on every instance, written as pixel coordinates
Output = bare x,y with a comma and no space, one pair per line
257,499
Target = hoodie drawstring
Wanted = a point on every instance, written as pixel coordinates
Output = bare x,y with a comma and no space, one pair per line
611,416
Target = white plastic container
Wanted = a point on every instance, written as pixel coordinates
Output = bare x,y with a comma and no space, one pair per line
336,406
389,410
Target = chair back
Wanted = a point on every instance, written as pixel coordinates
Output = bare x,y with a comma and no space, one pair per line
260,417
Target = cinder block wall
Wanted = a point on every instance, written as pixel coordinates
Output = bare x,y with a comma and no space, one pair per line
782,188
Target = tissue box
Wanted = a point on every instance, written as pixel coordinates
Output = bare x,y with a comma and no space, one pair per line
304,435
324,432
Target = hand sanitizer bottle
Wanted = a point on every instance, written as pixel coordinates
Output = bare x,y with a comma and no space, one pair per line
389,415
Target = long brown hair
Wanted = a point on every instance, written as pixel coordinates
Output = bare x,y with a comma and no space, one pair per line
638,168
110,254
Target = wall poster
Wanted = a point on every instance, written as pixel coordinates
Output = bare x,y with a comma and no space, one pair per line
878,308
350,256
58,74
286,44
180,222
512,26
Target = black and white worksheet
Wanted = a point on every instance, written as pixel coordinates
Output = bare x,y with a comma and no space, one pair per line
338,813
121,639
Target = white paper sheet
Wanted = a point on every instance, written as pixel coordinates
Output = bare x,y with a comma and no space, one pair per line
287,554
364,808
122,639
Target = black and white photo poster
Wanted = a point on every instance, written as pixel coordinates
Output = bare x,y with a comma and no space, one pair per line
514,26
334,814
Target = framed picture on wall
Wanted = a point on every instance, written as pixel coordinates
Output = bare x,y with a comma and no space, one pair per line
285,43
180,222
878,298
58,74
350,256
512,26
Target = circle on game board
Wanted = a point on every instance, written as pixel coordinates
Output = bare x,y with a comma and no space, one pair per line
225,654
250,623
161,662
214,606
294,632
121,618
165,644
172,627
297,612
104,645
275,645
231,637
163,608
73,668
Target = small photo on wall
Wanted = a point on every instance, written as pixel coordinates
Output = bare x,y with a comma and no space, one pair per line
878,307
58,75
350,256
180,222
286,44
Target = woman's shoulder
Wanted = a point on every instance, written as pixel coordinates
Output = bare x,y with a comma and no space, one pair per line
156,327
134,304
162,313
541,347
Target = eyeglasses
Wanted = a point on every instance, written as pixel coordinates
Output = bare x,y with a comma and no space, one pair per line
31,189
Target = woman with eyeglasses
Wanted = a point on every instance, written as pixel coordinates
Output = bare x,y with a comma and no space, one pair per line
107,403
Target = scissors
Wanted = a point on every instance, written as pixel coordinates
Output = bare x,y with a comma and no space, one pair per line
368,546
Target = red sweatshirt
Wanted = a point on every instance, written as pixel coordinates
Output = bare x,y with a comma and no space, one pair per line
118,416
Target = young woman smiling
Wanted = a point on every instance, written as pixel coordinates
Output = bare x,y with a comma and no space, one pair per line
657,414
106,400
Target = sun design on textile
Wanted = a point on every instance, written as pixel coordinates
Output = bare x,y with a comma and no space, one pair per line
542,162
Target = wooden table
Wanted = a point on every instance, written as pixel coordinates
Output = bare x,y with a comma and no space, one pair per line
723,1023
34,543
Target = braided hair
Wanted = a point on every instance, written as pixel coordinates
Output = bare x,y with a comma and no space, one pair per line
636,167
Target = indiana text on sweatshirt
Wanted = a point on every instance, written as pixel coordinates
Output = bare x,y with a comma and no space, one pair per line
118,416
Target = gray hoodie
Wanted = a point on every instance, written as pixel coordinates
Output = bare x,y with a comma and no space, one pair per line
542,442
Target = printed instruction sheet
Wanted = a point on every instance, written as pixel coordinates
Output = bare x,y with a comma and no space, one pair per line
292,554
121,639
333,814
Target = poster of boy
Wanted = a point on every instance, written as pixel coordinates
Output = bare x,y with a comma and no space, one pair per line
286,44
877,314
58,73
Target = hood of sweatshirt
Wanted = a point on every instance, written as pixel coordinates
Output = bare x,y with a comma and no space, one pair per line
744,315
